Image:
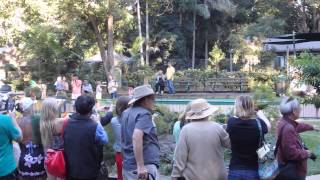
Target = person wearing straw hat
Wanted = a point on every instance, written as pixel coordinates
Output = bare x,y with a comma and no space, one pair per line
199,152
139,139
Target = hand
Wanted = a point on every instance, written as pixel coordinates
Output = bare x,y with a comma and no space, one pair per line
309,153
313,157
96,118
142,173
316,128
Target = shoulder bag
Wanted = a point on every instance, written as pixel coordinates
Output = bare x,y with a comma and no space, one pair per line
55,161
268,165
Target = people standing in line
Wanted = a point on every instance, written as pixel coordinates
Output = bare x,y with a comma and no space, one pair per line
180,123
291,149
121,105
51,128
139,139
160,82
112,87
83,141
87,88
244,134
31,162
76,85
170,77
200,149
9,131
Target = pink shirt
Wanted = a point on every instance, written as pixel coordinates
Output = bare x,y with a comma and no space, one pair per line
76,86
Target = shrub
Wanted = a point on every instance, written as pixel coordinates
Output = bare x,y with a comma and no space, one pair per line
164,119
263,95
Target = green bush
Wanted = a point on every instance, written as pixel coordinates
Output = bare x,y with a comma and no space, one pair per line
263,95
164,119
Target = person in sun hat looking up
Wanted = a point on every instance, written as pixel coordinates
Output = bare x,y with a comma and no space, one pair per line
200,148
140,144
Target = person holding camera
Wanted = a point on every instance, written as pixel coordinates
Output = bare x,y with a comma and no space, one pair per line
292,154
245,130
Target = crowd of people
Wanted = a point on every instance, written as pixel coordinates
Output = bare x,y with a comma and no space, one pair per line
79,87
26,141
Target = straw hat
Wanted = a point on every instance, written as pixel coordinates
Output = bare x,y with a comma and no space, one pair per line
200,108
140,92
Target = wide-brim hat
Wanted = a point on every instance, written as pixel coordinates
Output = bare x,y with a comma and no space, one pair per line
200,108
141,92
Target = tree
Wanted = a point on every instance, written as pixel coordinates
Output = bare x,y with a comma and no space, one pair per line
140,33
202,9
110,37
216,55
309,71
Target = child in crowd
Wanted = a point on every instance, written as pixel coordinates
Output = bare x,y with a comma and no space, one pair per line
121,105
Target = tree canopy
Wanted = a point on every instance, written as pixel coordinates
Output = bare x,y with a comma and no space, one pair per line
59,34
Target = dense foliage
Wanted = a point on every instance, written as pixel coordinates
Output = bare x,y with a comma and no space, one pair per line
56,36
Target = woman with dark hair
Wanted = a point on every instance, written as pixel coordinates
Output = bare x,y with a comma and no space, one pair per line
121,105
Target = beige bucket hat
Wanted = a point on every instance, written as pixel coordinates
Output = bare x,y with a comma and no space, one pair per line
140,92
200,108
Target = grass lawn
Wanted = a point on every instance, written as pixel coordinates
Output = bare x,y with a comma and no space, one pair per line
312,141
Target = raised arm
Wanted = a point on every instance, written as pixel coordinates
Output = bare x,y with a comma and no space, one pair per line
261,115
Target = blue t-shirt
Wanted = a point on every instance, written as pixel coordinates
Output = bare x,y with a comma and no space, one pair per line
176,130
116,130
8,133
139,118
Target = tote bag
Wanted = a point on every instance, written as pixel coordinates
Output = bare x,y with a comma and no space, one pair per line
268,165
55,162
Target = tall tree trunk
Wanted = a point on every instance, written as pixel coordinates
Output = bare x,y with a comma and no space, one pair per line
180,17
314,19
194,40
101,44
140,33
304,17
147,33
110,43
206,50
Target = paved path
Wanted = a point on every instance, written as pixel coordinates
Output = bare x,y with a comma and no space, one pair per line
315,177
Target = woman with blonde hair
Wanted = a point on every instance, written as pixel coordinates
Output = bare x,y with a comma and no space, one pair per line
51,127
244,131
31,161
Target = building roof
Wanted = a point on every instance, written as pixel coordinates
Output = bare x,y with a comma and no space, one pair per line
303,42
